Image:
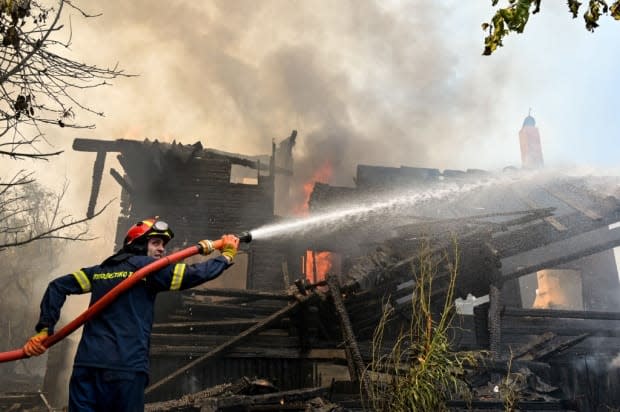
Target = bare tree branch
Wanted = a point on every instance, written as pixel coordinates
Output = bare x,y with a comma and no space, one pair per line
82,12
51,233
43,156
38,85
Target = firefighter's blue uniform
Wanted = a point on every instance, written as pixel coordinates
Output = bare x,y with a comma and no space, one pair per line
112,360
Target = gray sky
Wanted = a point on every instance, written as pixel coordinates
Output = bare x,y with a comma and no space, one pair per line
364,82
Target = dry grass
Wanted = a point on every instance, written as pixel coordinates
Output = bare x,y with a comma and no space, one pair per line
420,371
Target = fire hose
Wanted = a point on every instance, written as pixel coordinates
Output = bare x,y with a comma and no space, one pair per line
126,284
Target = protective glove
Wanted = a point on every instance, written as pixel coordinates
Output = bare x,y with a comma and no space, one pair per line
231,244
34,346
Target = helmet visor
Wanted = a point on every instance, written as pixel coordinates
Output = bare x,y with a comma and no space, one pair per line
160,226
160,229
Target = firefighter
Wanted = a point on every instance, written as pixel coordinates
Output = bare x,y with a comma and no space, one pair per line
110,371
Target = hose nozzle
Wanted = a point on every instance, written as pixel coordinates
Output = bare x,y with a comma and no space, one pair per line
208,246
245,237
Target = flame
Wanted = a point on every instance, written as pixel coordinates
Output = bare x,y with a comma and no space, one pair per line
324,264
321,175
324,260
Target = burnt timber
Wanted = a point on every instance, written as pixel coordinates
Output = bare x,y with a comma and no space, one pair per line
291,334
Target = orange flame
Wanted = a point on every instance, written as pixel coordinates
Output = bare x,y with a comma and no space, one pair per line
323,265
315,271
322,175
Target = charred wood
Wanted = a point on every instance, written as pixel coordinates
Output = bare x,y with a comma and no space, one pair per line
546,353
495,332
557,253
227,345
356,363
216,326
526,352
193,400
122,181
240,293
273,400
94,191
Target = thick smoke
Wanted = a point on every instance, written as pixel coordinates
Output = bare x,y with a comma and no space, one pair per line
369,82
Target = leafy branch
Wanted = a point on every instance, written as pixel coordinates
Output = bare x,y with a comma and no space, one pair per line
514,18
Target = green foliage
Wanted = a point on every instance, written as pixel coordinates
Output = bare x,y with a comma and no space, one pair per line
514,18
420,371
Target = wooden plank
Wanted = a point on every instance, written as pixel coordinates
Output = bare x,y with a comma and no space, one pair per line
197,327
285,275
559,313
214,340
526,351
588,212
355,360
94,190
227,345
595,346
187,401
94,145
550,219
220,310
122,181
495,322
548,352
239,293
252,352
557,253
272,400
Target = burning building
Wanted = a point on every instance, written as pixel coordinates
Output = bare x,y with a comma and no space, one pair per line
276,319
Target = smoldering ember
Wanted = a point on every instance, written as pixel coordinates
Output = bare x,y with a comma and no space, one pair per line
475,290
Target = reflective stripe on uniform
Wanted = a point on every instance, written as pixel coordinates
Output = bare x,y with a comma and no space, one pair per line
177,276
82,279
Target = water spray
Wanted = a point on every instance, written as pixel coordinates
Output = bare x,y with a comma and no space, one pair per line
352,214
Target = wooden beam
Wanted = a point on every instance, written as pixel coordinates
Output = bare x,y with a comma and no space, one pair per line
526,351
239,293
356,362
198,327
559,313
575,205
94,145
122,181
550,219
560,252
274,401
495,324
336,356
548,352
211,340
94,190
285,275
227,345
192,398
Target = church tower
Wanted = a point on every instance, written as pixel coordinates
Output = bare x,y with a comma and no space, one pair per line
529,139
